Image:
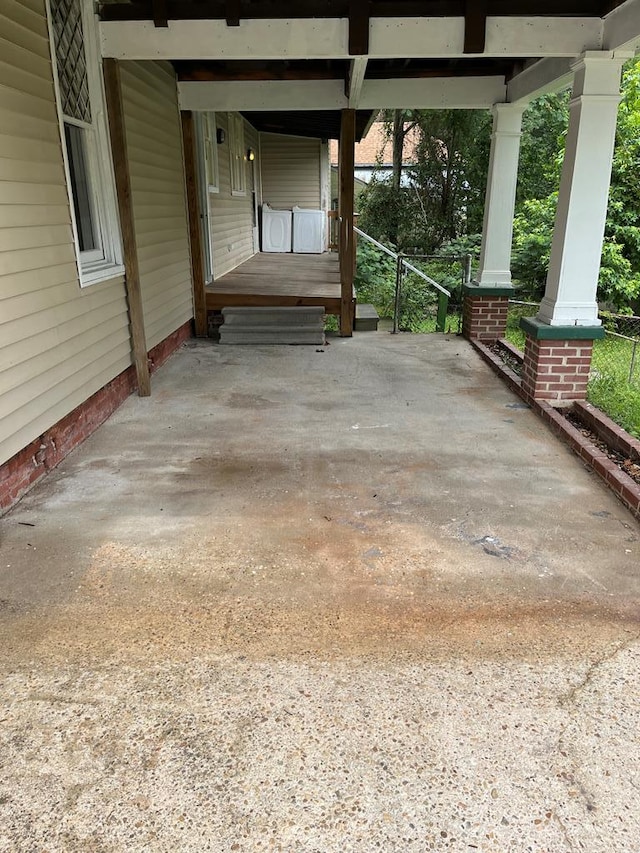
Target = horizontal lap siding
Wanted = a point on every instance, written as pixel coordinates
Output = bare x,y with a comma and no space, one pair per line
154,146
59,343
230,216
290,171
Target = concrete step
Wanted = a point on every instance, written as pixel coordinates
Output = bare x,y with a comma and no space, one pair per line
273,325
366,318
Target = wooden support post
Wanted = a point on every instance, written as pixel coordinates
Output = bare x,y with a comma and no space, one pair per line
475,26
195,234
347,242
113,94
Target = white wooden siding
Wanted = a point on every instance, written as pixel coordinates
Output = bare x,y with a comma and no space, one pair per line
156,163
230,217
58,343
290,170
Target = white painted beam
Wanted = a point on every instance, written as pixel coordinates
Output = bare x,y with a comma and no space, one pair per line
430,93
311,38
235,95
622,28
540,78
433,93
325,38
357,71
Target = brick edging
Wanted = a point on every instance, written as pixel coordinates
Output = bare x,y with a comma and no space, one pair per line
27,466
626,489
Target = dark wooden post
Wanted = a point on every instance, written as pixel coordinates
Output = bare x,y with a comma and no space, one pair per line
347,242
195,234
113,93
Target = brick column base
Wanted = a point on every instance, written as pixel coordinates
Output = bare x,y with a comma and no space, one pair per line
557,361
556,371
484,312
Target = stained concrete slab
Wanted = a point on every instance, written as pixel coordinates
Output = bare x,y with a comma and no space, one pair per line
356,599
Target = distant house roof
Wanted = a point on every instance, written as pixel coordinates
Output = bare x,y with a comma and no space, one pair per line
377,148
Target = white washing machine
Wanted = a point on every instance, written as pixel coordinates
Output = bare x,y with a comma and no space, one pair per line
308,231
276,229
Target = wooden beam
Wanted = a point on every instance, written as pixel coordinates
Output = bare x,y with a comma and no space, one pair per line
358,27
357,70
117,132
232,13
475,26
195,232
160,10
345,208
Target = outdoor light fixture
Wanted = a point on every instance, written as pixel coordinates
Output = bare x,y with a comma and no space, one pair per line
251,155
220,135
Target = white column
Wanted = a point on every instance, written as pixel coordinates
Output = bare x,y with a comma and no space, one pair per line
570,294
497,231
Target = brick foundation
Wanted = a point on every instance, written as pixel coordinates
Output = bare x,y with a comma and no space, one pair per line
484,317
31,463
555,370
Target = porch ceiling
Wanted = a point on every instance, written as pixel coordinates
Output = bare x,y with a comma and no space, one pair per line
324,124
366,54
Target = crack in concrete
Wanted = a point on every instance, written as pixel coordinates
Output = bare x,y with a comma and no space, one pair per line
571,696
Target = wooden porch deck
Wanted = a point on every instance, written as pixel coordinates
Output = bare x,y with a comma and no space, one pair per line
279,279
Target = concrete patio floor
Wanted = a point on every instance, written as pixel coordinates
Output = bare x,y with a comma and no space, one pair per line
351,600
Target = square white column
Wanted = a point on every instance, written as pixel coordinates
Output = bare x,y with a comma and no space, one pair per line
574,266
497,231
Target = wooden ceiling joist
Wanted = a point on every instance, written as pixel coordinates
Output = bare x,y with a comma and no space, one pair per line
358,27
160,13
232,13
475,26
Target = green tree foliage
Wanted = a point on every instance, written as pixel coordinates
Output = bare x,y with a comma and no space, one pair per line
445,193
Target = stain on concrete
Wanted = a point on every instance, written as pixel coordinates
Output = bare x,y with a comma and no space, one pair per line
263,630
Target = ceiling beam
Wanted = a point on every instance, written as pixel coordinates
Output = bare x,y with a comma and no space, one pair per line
468,93
160,13
232,13
475,26
622,28
358,27
436,93
357,70
540,78
327,38
263,95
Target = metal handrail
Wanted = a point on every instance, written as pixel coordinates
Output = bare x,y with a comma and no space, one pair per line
405,263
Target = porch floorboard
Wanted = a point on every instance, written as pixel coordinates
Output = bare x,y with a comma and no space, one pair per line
280,279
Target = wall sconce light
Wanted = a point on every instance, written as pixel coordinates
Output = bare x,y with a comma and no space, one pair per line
220,135
251,155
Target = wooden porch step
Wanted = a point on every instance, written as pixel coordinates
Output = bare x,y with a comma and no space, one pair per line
273,325
366,318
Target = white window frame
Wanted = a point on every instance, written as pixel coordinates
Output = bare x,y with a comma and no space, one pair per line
105,261
210,151
205,188
237,155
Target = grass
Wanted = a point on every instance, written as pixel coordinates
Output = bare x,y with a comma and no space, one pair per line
609,386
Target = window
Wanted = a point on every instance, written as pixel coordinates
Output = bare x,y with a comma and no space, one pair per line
86,146
237,155
210,151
